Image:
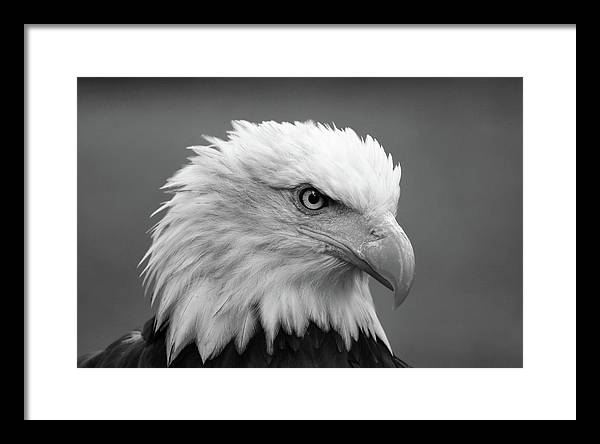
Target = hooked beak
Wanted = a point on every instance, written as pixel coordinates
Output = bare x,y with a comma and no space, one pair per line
389,258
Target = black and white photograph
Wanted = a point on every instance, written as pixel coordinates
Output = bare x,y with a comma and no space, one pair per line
287,202
304,221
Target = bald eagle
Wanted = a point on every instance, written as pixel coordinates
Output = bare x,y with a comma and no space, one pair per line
263,254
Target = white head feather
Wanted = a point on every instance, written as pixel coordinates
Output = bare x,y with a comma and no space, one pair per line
227,256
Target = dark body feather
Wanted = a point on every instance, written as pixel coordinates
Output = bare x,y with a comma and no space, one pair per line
317,348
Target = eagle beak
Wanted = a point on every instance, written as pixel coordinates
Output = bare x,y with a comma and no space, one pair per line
389,257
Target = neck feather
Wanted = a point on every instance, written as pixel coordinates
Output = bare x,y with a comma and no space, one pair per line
205,313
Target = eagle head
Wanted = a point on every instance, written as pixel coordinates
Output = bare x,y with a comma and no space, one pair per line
278,225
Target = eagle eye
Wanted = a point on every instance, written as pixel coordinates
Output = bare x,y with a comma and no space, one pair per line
312,199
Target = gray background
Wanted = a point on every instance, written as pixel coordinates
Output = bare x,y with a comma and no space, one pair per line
459,141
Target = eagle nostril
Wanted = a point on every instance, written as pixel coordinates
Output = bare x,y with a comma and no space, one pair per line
376,234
